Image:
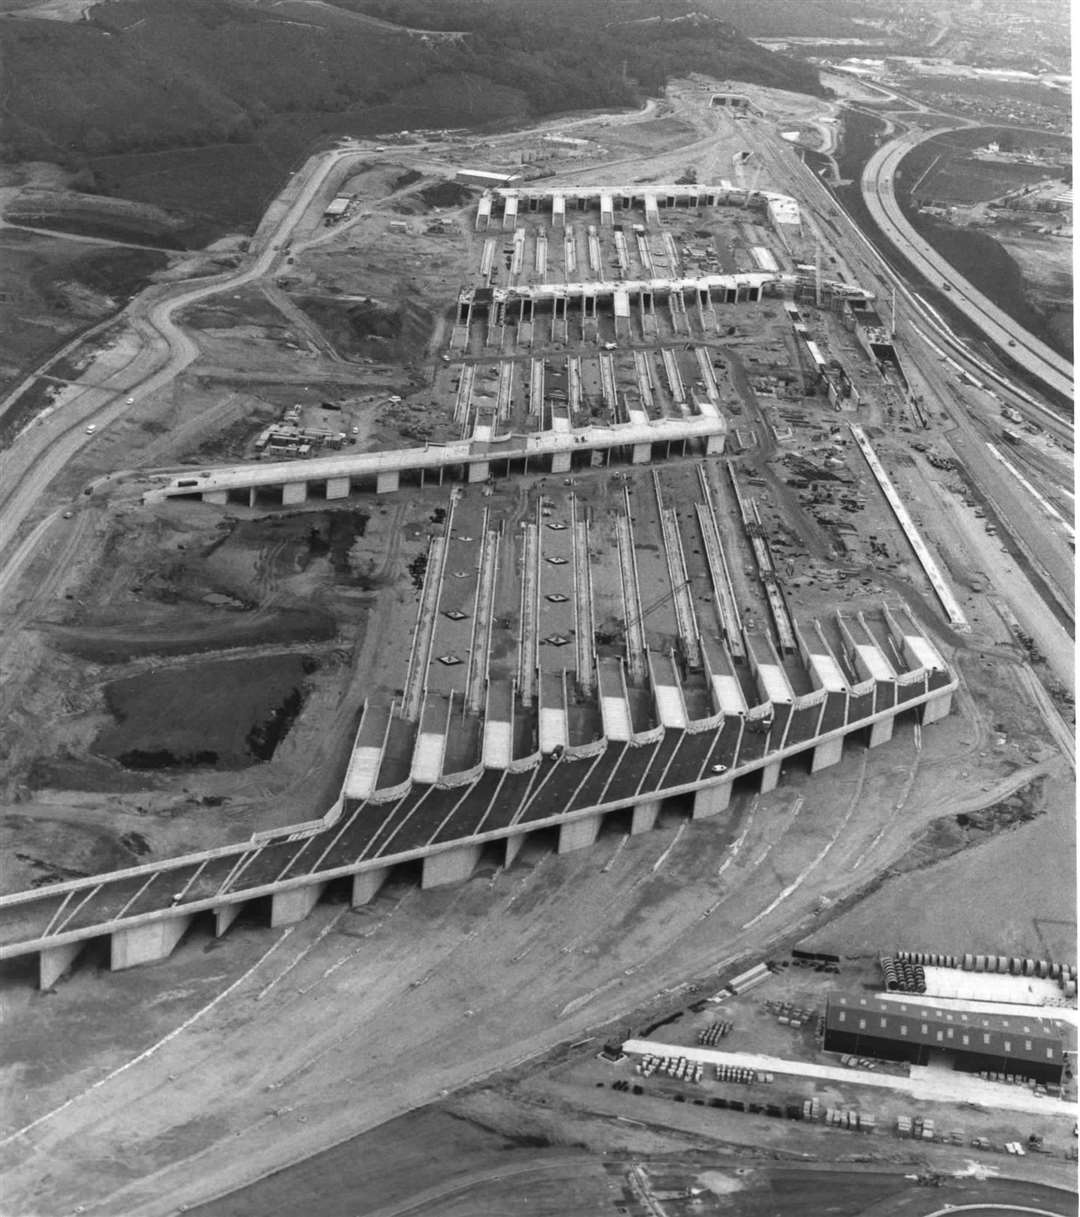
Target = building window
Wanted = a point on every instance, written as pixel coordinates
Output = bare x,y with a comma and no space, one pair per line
884,1023
1008,1046
1027,1045
842,1016
940,1037
986,1037
903,1028
925,1029
966,1040
1049,1054
862,1024
949,1033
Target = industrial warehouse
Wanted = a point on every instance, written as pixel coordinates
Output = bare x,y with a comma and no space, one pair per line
1026,1046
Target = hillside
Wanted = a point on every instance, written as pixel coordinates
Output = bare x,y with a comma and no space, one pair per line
139,77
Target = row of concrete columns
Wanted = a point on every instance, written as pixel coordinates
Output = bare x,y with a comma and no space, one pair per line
156,940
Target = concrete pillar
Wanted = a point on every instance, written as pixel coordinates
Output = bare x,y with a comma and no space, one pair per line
220,497
828,752
225,915
577,834
366,884
146,943
450,866
294,904
642,454
479,471
644,816
513,848
53,962
560,462
387,483
881,731
253,494
337,488
711,800
770,776
936,707
294,492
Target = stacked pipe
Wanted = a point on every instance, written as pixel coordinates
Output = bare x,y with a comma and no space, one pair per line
735,1073
1012,965
713,1032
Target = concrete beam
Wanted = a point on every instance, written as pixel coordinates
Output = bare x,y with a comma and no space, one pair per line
577,834
294,492
225,915
711,800
881,731
770,776
53,962
337,488
644,816
387,482
366,884
293,905
828,752
936,707
146,943
450,866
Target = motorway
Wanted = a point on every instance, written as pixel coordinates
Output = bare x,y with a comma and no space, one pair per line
1024,349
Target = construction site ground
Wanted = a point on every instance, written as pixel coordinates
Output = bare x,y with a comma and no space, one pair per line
240,1056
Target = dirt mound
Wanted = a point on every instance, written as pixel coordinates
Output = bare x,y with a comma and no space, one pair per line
446,194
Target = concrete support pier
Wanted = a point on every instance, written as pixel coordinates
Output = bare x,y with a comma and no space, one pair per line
450,866
711,800
479,471
293,905
53,962
224,916
513,848
218,497
577,834
337,488
641,454
881,731
387,483
770,776
644,816
294,492
146,943
828,752
366,884
560,462
935,708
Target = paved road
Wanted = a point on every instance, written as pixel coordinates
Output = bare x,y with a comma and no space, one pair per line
160,351
878,189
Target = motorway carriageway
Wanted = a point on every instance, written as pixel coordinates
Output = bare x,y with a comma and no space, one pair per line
878,189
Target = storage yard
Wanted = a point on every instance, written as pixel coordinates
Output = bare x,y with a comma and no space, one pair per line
625,614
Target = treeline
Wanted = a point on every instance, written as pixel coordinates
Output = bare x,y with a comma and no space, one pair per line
147,75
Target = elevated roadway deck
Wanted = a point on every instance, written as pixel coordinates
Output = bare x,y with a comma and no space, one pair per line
1023,348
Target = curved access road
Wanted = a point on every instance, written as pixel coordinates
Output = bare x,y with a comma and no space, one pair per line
157,351
1024,349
